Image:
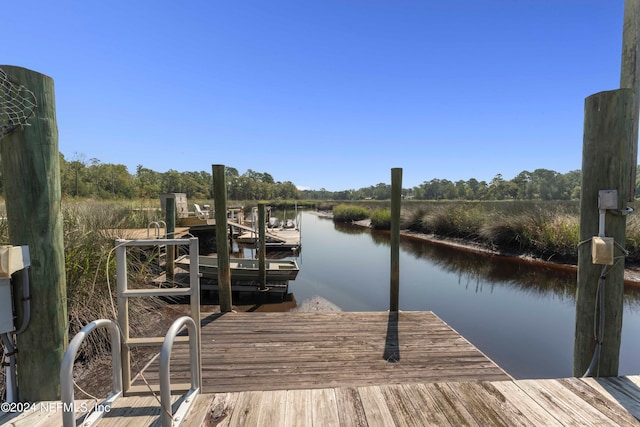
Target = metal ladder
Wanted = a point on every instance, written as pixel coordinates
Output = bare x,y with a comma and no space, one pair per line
124,293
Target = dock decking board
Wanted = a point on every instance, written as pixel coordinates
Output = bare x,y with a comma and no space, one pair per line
282,351
303,369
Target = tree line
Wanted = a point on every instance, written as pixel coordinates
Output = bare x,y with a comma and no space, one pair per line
541,184
91,178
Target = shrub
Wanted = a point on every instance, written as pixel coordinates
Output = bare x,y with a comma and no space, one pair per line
381,219
347,213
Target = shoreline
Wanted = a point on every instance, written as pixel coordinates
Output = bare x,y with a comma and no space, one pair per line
631,273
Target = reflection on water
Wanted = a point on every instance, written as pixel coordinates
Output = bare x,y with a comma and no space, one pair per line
520,314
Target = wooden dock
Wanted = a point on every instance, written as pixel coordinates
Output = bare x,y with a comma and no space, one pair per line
142,233
361,369
282,351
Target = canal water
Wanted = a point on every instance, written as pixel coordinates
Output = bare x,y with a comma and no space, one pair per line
522,316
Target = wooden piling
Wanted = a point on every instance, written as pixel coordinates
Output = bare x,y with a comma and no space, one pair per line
262,246
222,244
630,77
31,173
170,219
396,199
605,166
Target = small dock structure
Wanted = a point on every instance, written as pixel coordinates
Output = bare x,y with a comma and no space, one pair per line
356,369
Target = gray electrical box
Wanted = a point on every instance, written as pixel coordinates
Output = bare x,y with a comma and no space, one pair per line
6,308
608,199
12,259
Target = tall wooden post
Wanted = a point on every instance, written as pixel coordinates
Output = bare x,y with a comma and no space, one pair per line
630,76
396,198
606,165
222,244
170,220
31,172
262,245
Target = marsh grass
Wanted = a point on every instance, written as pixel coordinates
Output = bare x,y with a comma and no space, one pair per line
348,213
91,270
548,230
381,219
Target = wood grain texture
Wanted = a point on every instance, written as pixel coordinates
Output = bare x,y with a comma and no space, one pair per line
276,351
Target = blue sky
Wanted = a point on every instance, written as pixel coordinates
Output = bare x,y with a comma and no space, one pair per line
325,93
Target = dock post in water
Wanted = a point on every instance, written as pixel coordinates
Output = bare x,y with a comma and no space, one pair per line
262,246
31,174
222,243
606,165
170,232
396,199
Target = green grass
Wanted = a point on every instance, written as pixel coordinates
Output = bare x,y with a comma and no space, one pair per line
543,229
381,219
348,213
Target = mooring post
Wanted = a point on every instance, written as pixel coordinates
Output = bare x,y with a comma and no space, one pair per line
606,165
222,244
31,174
630,77
262,245
396,199
170,231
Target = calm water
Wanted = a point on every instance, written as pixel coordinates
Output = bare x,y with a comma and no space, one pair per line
521,316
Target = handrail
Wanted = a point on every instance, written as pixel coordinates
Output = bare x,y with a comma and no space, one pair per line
66,373
156,224
163,225
167,416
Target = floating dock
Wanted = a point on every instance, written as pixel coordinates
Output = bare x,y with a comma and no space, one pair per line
359,369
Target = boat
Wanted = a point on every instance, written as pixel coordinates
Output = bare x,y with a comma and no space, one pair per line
244,269
273,222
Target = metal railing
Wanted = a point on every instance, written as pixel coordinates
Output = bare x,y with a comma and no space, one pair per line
168,418
66,374
157,226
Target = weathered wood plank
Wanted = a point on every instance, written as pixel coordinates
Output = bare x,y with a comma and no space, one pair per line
246,409
551,403
446,399
615,392
575,402
298,408
273,408
515,395
430,410
350,408
610,408
324,409
42,414
402,409
199,411
375,407
219,413
485,396
269,351
570,401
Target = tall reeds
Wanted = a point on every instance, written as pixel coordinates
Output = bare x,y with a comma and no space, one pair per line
546,230
89,236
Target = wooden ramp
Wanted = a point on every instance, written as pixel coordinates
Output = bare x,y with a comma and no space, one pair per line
284,351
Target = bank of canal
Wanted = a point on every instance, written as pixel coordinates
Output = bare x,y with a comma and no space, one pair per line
520,315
